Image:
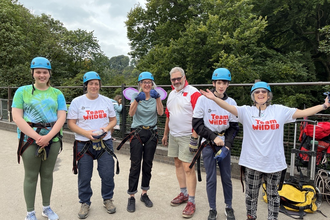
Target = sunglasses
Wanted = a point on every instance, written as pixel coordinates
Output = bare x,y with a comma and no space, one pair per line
176,79
262,91
146,82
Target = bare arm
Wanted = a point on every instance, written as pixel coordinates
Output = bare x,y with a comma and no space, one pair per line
61,117
231,108
312,110
132,108
112,123
166,131
160,107
43,141
23,125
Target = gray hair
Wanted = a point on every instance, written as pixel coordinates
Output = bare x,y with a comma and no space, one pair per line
270,94
177,69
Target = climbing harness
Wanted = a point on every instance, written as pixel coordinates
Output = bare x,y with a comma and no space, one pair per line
41,152
98,144
135,133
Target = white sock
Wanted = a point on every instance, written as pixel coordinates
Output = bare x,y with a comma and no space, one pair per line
45,207
28,213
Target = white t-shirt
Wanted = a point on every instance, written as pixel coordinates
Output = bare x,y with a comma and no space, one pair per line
179,109
215,118
262,147
91,114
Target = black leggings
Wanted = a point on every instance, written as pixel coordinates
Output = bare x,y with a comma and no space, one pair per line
139,152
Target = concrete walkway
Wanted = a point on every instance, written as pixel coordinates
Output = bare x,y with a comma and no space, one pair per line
164,188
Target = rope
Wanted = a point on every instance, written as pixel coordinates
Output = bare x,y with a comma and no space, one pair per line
322,182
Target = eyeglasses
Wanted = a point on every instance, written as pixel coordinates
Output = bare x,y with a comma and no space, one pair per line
146,82
262,91
176,79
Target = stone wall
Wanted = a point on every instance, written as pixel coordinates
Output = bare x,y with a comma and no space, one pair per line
160,155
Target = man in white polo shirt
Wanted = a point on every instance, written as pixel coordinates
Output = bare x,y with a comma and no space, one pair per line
182,139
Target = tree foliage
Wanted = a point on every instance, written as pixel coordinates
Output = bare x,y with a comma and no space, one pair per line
24,36
273,41
72,53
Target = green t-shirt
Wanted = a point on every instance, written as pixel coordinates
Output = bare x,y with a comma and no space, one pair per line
41,107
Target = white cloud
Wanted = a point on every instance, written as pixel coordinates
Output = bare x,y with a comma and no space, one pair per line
105,17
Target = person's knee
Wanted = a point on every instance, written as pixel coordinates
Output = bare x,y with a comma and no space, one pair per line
177,162
31,178
187,169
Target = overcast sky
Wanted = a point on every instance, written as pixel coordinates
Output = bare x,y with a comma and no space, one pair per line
105,17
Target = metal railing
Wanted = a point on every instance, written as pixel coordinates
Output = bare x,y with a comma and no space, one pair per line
126,120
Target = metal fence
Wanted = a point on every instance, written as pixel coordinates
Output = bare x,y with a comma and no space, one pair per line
126,120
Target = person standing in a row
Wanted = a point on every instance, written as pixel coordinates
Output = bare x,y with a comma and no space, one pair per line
91,117
39,112
183,140
218,127
145,106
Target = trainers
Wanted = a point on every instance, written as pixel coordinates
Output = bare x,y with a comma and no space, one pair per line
131,204
84,210
50,214
146,200
109,206
212,214
229,212
181,198
31,216
189,210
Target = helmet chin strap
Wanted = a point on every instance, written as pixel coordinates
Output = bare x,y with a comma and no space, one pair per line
215,93
261,105
33,88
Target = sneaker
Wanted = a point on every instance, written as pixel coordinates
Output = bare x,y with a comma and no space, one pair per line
146,200
229,212
84,210
109,206
31,216
189,210
50,214
249,217
212,214
181,198
131,204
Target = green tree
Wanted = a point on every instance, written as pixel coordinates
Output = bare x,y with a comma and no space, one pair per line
24,36
295,28
158,24
119,62
212,34
13,54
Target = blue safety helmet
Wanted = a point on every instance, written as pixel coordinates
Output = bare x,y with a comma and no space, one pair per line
40,62
91,75
145,75
259,85
221,74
